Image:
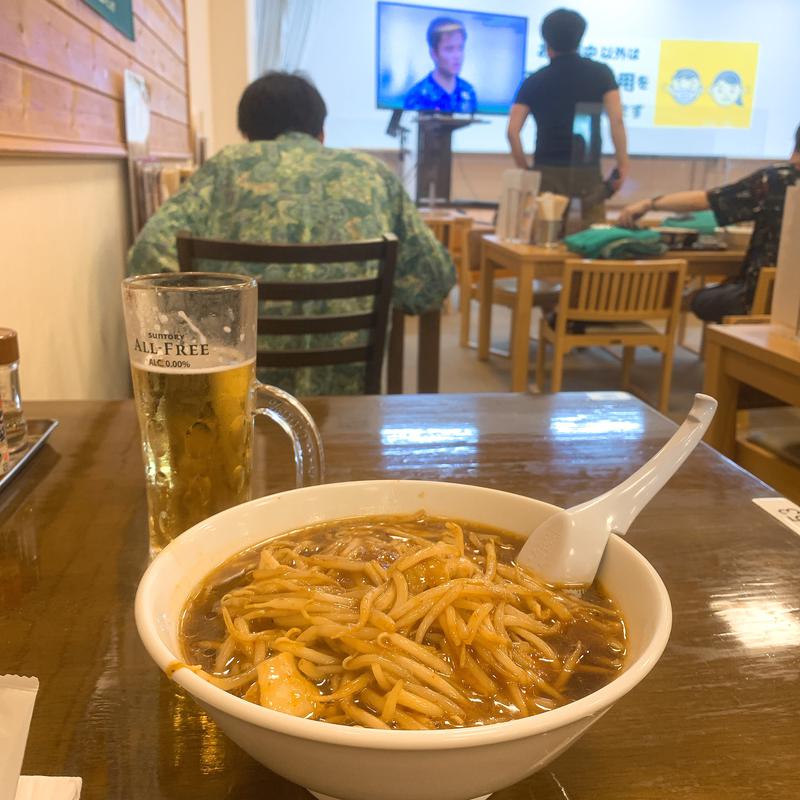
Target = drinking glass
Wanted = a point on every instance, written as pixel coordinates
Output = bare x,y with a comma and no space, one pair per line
192,347
547,232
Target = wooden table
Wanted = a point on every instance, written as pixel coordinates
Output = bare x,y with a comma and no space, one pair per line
717,717
767,358
529,261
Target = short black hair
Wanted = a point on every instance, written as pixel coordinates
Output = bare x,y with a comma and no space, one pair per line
442,25
563,30
797,140
279,102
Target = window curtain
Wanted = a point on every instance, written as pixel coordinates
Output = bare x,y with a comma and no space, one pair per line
282,33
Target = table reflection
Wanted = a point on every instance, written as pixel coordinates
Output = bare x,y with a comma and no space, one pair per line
596,424
19,557
760,623
454,440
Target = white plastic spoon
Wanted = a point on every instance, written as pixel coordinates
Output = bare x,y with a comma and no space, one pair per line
567,547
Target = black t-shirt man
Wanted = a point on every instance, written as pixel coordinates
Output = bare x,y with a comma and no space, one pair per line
567,86
567,99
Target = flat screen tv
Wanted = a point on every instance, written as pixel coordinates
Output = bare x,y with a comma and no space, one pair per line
453,62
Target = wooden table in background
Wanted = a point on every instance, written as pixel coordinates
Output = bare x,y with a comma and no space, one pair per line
448,227
717,717
530,261
767,358
451,229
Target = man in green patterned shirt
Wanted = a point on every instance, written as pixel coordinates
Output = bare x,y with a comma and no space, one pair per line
284,186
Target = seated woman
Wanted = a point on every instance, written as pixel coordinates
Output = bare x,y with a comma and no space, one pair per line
758,198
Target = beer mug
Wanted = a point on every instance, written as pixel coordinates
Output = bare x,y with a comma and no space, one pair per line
192,347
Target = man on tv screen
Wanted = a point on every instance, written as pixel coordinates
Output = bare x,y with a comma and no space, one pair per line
442,90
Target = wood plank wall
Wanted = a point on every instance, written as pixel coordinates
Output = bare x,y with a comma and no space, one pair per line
61,77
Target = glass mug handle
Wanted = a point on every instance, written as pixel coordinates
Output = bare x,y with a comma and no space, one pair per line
294,419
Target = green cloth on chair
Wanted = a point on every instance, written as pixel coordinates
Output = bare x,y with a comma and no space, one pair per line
616,243
701,221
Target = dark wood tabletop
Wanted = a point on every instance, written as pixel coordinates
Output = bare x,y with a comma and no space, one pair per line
717,718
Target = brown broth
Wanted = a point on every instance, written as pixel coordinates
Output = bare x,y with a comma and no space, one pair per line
203,629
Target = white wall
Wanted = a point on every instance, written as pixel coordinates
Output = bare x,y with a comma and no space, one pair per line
198,45
229,60
64,229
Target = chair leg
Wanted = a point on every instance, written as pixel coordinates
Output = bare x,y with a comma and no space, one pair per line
628,354
666,378
540,355
557,372
465,307
682,327
511,330
702,352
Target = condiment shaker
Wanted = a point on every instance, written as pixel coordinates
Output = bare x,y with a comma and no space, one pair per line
10,399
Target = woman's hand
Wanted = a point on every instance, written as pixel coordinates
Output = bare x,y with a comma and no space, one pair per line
633,212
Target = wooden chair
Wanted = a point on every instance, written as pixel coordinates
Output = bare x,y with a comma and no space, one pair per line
627,298
545,293
762,300
373,322
751,399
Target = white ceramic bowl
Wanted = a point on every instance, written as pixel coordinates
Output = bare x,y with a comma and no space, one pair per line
363,764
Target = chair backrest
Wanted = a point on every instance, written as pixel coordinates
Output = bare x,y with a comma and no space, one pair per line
374,322
619,291
762,299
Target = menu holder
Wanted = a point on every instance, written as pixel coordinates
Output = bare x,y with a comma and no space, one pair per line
38,431
517,207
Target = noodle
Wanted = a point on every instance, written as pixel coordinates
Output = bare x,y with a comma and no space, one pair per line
400,623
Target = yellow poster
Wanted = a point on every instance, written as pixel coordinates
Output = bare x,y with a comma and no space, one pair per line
706,84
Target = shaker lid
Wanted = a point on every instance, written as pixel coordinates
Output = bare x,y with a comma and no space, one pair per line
9,347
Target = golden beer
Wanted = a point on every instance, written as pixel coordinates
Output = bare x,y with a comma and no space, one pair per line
197,436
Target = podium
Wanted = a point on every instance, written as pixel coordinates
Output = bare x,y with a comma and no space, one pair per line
434,155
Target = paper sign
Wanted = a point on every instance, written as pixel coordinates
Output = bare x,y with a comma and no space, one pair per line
783,510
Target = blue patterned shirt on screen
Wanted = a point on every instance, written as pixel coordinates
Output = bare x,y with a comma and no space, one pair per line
428,95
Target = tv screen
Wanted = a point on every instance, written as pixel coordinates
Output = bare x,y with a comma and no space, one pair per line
454,62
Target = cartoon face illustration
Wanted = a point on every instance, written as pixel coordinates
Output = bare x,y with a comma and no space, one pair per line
685,86
727,89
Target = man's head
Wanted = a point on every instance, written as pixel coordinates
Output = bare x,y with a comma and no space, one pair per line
277,103
562,31
446,38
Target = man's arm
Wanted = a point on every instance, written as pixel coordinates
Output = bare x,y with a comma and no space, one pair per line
695,200
154,249
613,107
519,113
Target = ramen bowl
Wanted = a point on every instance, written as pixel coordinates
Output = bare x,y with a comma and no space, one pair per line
353,763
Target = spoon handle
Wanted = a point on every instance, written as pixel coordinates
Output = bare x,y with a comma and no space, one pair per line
615,510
